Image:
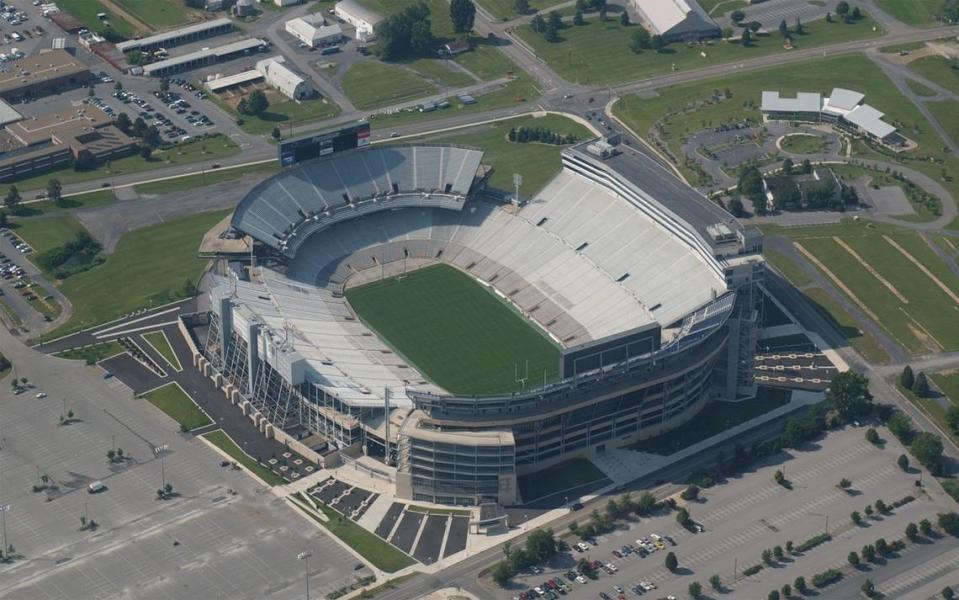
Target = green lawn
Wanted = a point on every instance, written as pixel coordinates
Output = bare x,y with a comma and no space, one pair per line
939,69
598,52
926,206
457,333
946,112
948,382
158,340
717,8
897,48
86,12
715,417
218,146
178,405
918,13
785,265
285,114
567,475
221,440
92,354
190,182
486,62
372,84
160,14
69,203
381,554
148,266
920,89
46,233
439,12
505,9
861,341
803,144
538,163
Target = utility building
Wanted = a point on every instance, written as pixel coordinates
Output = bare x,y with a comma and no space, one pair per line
287,81
313,31
360,17
677,20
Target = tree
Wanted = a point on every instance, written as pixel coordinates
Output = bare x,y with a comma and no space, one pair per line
868,510
912,532
164,85
921,385
848,394
881,507
903,462
789,546
746,38
901,426
736,207
783,28
949,522
275,134
845,483
554,19
767,556
773,595
869,552
146,151
123,122
805,167
952,418
882,547
828,17
716,582
582,6
501,573
404,33
853,558
868,588
537,23
111,455
682,517
118,86
947,593
671,562
750,185
737,16
800,584
907,379
925,527
624,19
856,517
787,591
927,448
541,545
691,493
639,40
695,588
521,6
462,13
255,104
778,552
788,166
646,503
657,42
799,27
755,26
55,191
12,199
856,14
578,18
842,9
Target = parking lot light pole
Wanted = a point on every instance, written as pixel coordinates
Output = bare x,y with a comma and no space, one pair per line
305,556
3,516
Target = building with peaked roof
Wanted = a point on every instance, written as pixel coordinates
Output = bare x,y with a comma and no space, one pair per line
360,17
200,58
677,20
287,81
184,35
844,108
313,31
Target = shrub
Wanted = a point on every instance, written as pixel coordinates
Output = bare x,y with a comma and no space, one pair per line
830,576
752,570
812,542
872,436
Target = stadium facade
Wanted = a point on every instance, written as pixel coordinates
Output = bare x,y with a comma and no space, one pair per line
650,289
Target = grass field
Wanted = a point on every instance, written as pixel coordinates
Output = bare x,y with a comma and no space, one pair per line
179,406
92,354
46,233
158,340
86,12
861,341
505,9
598,52
721,7
160,14
439,12
920,89
148,265
926,206
803,144
715,418
370,85
939,69
457,333
283,114
946,112
563,476
190,182
221,440
69,203
381,554
948,382
897,48
197,150
538,163
918,13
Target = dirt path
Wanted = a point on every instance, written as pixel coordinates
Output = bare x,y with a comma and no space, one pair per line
125,14
872,271
838,282
922,268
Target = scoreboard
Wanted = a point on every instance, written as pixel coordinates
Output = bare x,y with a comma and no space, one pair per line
324,144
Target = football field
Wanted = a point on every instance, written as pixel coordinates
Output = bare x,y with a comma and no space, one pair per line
457,333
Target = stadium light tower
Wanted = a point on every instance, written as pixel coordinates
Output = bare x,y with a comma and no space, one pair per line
517,182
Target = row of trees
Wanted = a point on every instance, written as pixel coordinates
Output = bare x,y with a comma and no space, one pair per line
80,252
524,135
926,447
406,33
540,546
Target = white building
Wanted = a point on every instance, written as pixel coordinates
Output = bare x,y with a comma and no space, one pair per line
360,17
288,82
677,20
842,107
313,31
286,2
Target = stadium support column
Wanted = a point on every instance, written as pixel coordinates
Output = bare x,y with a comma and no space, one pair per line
252,355
226,326
386,425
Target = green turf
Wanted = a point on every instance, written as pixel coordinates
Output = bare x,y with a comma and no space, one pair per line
190,182
69,203
538,163
715,418
567,475
717,8
442,25
221,440
946,112
598,52
803,144
158,340
918,13
505,9
284,115
948,383
372,84
785,265
148,267
907,47
159,14
926,207
920,89
457,333
938,69
861,341
196,150
486,62
86,12
178,405
46,233
93,354
382,555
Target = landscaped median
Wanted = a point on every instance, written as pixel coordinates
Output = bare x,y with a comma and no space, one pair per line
161,344
92,354
178,405
221,440
378,552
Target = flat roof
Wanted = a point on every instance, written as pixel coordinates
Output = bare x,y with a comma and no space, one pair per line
845,99
358,11
870,120
218,52
215,85
38,130
8,114
172,35
803,102
37,68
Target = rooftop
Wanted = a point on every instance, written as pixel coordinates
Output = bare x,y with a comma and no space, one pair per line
38,130
159,38
38,68
218,52
359,11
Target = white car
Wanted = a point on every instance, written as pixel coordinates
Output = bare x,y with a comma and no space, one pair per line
539,591
655,537
580,579
41,394
611,567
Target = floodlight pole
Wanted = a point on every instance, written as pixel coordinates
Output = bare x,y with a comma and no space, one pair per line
517,182
386,424
305,556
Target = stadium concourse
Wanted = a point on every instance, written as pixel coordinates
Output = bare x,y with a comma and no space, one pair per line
648,290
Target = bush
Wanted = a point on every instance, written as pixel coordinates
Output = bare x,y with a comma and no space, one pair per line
830,576
949,522
752,570
812,542
872,436
691,493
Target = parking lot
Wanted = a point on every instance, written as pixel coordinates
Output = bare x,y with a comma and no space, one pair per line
752,513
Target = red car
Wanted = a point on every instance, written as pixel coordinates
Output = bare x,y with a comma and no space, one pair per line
617,554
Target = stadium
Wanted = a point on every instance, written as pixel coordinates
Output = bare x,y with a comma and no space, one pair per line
395,307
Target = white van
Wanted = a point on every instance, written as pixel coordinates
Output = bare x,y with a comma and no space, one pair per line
96,486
